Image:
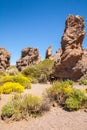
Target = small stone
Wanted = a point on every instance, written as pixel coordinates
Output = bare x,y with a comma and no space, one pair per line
85,110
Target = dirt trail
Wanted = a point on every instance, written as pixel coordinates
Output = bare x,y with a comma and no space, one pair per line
55,119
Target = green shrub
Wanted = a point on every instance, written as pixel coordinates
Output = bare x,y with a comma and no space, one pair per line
54,90
65,95
12,87
11,70
75,100
59,88
68,81
32,104
83,81
59,91
7,111
84,103
34,80
31,71
42,78
73,103
76,93
41,71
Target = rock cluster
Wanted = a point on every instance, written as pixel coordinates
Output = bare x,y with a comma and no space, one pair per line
73,60
29,56
4,59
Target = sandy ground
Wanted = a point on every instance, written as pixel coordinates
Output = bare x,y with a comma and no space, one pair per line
55,119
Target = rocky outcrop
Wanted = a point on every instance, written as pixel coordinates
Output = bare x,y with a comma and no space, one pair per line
29,56
85,52
49,53
73,60
57,56
4,59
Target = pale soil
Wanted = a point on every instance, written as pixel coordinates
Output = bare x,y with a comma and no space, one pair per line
55,119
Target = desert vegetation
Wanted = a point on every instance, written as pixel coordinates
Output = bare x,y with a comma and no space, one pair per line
21,107
24,106
14,83
40,72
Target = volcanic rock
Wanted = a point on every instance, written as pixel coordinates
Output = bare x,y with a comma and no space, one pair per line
73,59
56,57
49,53
4,59
29,56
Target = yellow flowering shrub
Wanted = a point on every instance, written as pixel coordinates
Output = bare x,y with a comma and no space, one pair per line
68,89
7,88
24,81
12,87
21,79
6,78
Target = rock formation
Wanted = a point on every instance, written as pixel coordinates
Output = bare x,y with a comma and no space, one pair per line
57,55
49,53
73,60
29,56
4,59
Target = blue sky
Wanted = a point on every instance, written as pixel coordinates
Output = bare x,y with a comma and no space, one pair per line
36,23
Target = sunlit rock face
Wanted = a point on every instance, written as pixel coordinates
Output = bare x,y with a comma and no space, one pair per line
55,57
49,53
73,59
29,56
4,59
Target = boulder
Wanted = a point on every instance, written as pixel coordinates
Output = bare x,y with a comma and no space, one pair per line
29,56
4,59
73,59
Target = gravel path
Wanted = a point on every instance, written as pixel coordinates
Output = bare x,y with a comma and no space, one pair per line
55,119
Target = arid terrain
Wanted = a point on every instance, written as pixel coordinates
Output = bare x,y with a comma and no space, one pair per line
55,119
